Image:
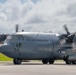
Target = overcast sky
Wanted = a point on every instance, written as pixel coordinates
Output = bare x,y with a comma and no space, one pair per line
37,15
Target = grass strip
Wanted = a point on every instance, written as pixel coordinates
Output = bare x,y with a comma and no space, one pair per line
4,58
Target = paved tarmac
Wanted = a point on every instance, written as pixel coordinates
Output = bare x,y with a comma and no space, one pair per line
37,68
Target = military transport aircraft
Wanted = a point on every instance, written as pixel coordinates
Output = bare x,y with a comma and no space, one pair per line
47,47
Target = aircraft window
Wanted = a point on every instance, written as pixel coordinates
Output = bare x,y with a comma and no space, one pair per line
20,37
12,38
9,37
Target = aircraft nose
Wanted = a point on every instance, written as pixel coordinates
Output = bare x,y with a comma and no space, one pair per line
4,47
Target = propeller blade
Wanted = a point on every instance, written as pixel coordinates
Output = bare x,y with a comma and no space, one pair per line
66,29
69,36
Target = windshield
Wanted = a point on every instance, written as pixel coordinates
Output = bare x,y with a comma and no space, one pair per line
14,38
8,38
17,37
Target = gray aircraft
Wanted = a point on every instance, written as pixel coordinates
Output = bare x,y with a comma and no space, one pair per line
47,47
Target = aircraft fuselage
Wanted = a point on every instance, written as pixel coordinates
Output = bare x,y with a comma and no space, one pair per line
31,45
35,46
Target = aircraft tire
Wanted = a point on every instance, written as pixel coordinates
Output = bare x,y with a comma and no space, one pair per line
51,61
73,62
68,62
17,61
44,61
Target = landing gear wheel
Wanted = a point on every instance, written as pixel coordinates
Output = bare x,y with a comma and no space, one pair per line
68,62
44,61
73,62
51,61
17,61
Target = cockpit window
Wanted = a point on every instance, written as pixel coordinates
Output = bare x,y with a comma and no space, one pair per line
20,37
14,37
17,37
9,37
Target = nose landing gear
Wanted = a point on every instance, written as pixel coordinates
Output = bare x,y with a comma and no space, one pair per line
17,61
51,61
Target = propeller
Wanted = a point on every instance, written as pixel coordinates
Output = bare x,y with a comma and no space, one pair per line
69,36
66,29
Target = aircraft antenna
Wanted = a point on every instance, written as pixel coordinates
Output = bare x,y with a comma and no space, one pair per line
17,28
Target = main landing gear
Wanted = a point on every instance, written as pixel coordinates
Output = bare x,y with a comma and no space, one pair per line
17,61
67,61
51,61
71,62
